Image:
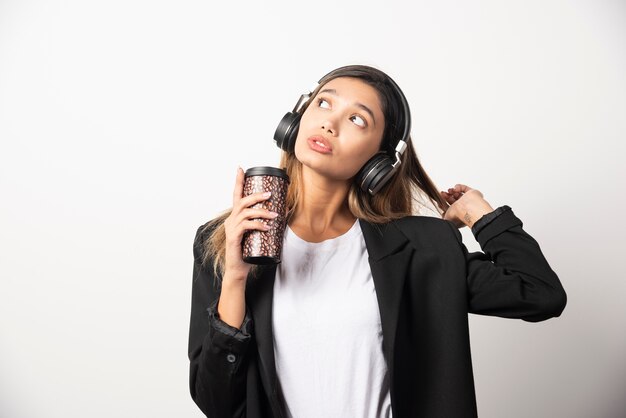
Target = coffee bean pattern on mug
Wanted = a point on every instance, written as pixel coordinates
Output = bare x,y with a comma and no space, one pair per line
266,243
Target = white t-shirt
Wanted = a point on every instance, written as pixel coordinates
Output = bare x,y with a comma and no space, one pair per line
327,329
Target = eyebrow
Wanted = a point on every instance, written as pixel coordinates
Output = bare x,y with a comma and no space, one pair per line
357,104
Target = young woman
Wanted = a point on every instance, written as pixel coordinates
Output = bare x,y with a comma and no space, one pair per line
366,316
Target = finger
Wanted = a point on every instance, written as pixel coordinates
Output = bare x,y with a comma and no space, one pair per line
255,225
238,192
454,193
457,191
250,213
252,199
247,225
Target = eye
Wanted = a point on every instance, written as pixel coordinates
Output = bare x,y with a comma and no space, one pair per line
358,120
320,101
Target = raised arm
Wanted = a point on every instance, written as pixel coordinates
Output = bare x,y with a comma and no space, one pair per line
221,326
511,278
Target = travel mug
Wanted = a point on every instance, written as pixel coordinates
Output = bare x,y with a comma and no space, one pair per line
264,247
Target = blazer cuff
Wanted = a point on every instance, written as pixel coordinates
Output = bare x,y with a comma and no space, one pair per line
487,218
494,224
226,331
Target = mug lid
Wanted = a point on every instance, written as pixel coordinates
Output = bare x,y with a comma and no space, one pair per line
267,171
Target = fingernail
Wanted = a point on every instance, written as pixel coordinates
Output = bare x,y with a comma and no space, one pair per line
273,214
267,194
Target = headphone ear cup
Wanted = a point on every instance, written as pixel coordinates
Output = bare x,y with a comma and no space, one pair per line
287,131
374,174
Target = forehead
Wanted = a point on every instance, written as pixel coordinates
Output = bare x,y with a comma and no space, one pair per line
354,90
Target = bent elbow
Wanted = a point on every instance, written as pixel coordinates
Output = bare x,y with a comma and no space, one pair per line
557,302
551,305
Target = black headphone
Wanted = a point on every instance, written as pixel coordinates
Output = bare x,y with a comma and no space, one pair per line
379,169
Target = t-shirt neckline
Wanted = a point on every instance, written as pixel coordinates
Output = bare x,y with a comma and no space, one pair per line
291,238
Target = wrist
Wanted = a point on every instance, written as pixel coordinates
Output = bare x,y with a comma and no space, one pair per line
234,279
473,212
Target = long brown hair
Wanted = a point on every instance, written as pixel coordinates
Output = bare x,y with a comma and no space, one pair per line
408,189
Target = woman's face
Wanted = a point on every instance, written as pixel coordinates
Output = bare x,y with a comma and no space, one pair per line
341,128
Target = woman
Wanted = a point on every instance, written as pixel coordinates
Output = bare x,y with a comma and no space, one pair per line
366,316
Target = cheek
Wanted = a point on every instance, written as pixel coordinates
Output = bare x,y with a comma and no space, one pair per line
300,142
302,129
301,147
368,147
358,157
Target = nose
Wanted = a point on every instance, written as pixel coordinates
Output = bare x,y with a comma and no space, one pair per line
328,125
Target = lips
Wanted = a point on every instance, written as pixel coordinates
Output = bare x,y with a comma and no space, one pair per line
321,144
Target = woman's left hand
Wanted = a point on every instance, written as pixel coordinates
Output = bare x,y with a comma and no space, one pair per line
467,205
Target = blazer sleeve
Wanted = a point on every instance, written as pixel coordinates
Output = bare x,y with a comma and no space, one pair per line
511,278
217,351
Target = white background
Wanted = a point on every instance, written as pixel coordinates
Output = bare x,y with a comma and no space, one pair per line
122,124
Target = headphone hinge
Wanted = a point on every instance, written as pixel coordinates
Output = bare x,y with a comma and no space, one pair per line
400,148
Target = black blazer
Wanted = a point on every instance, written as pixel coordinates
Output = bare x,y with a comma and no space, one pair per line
426,282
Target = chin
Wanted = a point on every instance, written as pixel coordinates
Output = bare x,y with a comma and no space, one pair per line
324,169
321,164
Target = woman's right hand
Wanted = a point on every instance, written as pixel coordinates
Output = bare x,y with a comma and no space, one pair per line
239,221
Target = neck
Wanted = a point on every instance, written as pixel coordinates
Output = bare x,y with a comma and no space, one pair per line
323,206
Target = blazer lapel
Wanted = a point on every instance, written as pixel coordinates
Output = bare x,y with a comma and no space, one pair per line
389,259
261,295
